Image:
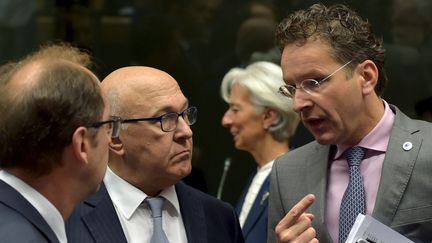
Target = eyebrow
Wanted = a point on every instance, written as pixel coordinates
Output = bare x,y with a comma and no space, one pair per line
312,73
170,108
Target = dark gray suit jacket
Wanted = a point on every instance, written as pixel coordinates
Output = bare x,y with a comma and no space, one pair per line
404,199
205,218
20,222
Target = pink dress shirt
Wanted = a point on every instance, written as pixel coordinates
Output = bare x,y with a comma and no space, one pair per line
370,168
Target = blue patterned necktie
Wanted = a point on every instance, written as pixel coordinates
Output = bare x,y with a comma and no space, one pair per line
156,204
353,201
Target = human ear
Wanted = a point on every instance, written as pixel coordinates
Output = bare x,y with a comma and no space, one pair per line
368,73
80,144
269,117
116,146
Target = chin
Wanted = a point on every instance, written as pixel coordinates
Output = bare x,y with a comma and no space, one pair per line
239,146
185,169
324,140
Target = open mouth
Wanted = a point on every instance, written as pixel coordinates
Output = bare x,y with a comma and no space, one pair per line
315,123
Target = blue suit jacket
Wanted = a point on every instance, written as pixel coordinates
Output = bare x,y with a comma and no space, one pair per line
205,219
20,221
255,227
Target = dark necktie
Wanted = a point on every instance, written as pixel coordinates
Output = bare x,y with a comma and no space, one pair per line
353,201
156,204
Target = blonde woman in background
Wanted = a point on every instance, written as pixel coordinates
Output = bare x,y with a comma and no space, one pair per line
262,123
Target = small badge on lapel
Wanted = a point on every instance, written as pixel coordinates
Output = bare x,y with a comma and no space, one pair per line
407,146
264,197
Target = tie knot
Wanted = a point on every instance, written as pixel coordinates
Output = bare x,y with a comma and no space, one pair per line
155,204
354,155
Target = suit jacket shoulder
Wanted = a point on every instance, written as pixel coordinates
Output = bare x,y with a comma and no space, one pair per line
404,200
207,219
19,220
95,220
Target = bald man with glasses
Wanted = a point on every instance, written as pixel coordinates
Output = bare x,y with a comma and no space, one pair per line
150,153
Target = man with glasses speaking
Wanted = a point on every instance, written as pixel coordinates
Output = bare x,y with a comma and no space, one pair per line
142,198
368,157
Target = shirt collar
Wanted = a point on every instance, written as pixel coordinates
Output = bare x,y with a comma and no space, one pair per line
265,168
127,198
378,138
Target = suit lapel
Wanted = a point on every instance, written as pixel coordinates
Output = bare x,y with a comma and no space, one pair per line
316,178
317,169
192,214
258,208
102,221
243,195
397,168
13,199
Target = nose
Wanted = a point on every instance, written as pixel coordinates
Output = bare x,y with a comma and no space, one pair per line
183,129
226,119
301,101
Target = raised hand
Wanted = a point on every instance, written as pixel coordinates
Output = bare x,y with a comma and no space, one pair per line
296,226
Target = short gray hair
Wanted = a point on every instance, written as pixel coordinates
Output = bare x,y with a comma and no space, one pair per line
262,80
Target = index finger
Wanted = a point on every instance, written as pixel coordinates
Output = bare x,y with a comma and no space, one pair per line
292,216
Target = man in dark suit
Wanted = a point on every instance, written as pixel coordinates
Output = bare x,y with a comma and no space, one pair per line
53,146
333,66
148,158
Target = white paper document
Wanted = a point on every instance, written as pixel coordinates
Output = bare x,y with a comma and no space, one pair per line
369,230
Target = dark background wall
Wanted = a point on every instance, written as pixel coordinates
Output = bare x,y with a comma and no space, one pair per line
198,41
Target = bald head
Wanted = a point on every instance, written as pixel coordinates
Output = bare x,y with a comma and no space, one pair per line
132,88
26,77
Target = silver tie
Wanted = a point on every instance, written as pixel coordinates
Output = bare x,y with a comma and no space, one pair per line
353,201
156,204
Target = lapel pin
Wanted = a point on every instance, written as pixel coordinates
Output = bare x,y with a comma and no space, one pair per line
264,197
407,146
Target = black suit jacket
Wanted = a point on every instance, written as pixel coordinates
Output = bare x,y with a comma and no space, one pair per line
20,221
205,218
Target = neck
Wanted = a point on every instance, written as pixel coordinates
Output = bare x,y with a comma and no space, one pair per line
269,150
150,186
372,114
59,194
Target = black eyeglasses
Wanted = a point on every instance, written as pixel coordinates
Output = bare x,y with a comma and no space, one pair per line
168,121
111,126
308,85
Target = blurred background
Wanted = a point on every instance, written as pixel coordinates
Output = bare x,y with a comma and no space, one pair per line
198,41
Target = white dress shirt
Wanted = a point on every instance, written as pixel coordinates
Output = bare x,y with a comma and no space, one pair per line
135,216
253,190
45,208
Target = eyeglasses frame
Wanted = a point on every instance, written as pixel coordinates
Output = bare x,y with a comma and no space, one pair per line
118,120
318,83
101,123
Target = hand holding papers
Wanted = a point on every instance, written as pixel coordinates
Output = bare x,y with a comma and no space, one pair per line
369,230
